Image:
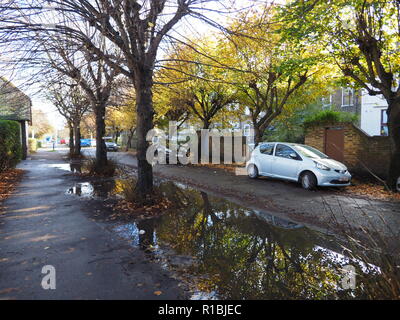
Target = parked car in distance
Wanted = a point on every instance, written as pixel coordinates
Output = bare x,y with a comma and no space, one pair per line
86,143
180,155
111,146
297,162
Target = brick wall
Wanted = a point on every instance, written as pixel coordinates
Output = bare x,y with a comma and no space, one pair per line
361,151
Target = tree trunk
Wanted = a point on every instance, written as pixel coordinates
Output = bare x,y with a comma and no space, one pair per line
71,139
206,124
257,133
394,134
130,137
101,150
117,135
77,139
145,113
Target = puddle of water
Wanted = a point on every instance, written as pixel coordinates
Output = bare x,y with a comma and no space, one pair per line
232,252
93,189
84,189
72,167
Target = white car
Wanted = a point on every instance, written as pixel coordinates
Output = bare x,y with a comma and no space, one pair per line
111,146
297,162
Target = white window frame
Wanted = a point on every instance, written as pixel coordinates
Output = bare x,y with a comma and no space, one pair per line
352,97
327,105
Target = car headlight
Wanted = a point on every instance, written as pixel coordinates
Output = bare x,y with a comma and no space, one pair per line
321,166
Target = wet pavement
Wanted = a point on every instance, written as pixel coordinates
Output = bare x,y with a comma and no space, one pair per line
41,224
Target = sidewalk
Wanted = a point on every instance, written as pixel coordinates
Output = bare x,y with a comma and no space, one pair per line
42,225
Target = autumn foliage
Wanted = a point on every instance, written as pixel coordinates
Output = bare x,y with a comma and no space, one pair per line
8,180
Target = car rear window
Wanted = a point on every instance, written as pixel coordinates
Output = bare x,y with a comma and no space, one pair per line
267,148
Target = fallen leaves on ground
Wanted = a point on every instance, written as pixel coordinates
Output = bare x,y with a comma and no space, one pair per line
8,181
124,208
372,191
231,168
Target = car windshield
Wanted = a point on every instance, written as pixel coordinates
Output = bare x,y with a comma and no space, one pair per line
310,152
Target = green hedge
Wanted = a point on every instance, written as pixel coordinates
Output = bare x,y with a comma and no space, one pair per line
329,116
32,145
10,144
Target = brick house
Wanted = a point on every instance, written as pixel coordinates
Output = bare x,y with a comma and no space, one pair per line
371,110
16,105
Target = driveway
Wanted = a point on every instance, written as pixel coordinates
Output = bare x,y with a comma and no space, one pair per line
40,224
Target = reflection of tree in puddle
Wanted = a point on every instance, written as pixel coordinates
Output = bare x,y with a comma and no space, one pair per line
75,167
104,188
146,239
242,255
89,189
245,255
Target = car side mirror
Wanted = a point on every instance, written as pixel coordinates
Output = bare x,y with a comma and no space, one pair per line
293,156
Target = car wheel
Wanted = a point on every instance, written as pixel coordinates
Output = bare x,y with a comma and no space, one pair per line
252,171
308,181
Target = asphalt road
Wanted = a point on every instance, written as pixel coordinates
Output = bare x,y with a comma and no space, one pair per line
41,225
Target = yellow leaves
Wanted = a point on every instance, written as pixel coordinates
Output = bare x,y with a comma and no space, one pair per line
124,117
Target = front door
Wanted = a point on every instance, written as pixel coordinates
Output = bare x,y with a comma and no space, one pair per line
334,143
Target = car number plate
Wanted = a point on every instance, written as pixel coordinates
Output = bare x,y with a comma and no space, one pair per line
344,179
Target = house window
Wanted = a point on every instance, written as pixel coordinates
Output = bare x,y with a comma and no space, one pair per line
347,97
326,102
384,125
